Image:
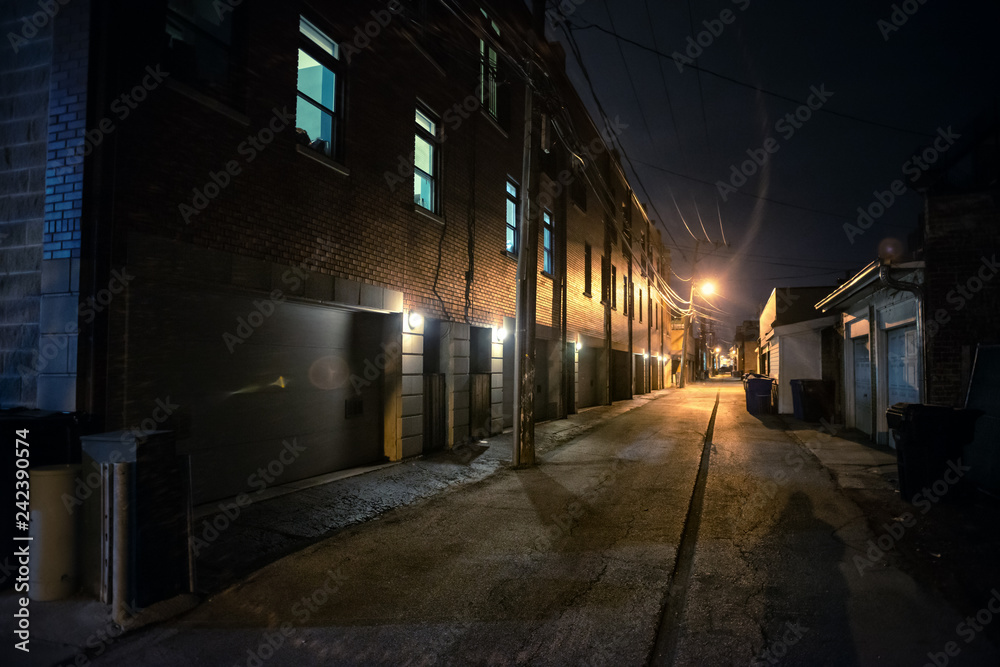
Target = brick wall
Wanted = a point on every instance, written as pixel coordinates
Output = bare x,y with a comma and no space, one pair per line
289,207
962,233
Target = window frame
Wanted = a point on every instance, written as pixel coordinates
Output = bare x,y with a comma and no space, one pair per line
588,271
614,287
230,92
489,97
334,64
433,139
548,248
512,229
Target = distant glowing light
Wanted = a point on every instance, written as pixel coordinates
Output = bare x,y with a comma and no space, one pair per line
501,334
414,320
579,345
708,289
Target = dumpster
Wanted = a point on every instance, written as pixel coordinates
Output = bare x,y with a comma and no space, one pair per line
928,438
758,395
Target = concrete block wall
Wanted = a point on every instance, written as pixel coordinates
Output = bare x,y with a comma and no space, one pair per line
25,77
496,387
456,337
413,390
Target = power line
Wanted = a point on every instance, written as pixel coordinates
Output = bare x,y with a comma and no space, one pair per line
587,26
747,194
718,211
575,48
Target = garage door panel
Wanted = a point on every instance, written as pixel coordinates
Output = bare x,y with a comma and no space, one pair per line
291,378
223,472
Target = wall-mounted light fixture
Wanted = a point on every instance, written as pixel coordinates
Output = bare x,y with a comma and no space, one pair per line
414,320
579,345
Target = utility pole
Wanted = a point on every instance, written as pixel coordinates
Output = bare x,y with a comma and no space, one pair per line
527,267
687,317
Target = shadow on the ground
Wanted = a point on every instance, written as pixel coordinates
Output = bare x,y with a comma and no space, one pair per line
817,623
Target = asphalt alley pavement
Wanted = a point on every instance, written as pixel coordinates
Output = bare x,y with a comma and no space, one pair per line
570,562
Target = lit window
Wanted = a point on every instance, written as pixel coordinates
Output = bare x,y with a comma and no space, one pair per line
547,235
513,208
425,163
319,107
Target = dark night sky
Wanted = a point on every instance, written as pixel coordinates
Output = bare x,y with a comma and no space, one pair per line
939,69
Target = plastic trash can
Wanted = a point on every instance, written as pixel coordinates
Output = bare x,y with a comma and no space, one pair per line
53,565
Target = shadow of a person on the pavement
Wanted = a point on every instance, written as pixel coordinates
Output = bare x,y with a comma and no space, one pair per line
806,608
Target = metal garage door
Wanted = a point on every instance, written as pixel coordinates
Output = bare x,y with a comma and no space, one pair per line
862,386
294,391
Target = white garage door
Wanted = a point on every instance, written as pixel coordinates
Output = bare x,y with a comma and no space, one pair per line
862,386
904,383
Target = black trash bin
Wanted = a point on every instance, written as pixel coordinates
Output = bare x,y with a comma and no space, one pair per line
812,400
928,438
758,394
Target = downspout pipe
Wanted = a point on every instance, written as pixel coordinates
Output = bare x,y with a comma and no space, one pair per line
886,279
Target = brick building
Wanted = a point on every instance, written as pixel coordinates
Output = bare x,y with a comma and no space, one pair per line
228,229
961,232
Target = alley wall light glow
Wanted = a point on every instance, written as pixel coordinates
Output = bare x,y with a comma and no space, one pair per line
579,345
414,320
708,289
500,334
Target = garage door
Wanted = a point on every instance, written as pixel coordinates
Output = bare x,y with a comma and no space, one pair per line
862,386
588,378
292,393
903,382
